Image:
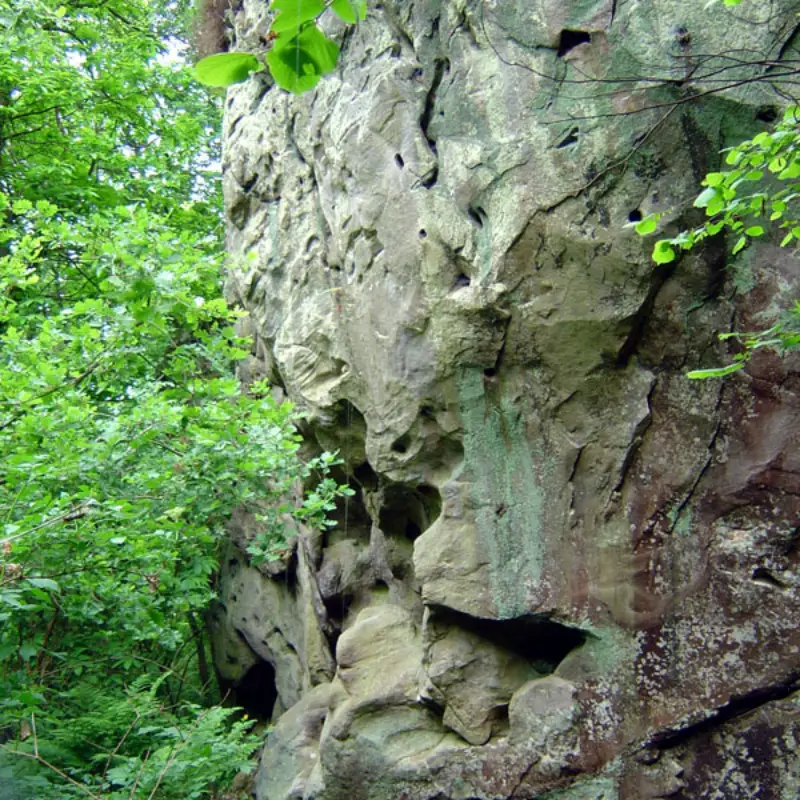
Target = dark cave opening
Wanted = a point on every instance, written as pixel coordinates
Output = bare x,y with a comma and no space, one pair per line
569,40
256,692
540,640
409,511
767,114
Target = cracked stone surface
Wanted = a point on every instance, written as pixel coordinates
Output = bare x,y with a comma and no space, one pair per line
567,570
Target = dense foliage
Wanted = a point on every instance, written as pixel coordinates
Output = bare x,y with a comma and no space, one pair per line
125,439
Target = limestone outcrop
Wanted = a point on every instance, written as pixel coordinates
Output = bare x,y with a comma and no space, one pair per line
567,570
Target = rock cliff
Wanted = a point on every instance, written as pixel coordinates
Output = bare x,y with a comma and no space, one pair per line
567,570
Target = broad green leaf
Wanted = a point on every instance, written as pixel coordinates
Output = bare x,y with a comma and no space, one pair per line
44,583
739,245
324,51
293,13
350,10
792,171
755,230
226,69
777,164
705,197
663,252
647,225
717,372
714,179
298,62
27,651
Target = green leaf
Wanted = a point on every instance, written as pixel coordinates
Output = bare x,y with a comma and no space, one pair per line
717,372
663,252
705,197
647,225
27,651
755,230
350,10
293,13
225,69
298,62
44,583
714,179
739,245
792,171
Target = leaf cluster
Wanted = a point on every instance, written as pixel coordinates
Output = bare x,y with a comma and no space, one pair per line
300,53
757,191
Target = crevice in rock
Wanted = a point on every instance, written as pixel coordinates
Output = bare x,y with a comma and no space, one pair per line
409,511
337,606
570,39
791,41
640,318
737,706
428,180
477,215
570,139
538,639
439,68
255,691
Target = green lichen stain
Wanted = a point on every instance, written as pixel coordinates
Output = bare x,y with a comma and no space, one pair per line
506,491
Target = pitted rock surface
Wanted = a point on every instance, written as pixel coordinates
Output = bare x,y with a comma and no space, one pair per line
567,571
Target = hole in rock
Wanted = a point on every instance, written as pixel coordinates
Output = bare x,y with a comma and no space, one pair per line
541,641
344,429
569,40
682,35
337,606
635,215
398,159
765,576
350,515
477,215
365,475
489,372
461,281
401,445
409,511
767,114
423,233
570,138
256,691
427,412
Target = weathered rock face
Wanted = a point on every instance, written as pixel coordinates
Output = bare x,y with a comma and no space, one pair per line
567,568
